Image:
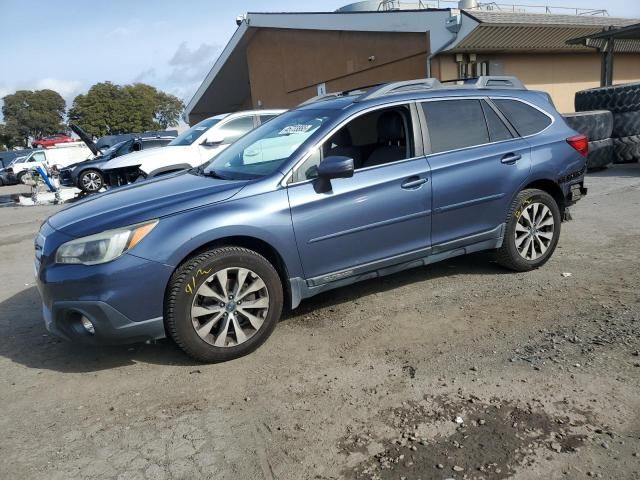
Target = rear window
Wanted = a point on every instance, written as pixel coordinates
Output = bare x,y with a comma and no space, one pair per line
455,124
498,131
524,118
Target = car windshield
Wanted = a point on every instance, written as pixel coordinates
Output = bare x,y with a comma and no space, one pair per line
109,151
189,136
263,150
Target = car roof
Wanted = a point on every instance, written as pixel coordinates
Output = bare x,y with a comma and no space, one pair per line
360,99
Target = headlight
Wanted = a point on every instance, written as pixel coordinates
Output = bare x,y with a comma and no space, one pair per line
105,246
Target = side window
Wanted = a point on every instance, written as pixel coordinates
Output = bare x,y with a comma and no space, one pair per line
266,118
497,129
236,128
524,118
455,124
38,157
375,138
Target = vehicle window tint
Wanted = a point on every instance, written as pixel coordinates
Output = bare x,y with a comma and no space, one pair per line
524,118
455,124
266,118
497,129
236,128
376,138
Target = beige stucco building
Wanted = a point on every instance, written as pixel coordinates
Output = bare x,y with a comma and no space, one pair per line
282,59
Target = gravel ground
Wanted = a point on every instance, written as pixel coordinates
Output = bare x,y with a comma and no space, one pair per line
457,371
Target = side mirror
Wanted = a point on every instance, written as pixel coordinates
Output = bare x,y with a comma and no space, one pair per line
213,140
332,167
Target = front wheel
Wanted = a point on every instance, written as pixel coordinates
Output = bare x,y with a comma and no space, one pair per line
90,181
223,304
532,231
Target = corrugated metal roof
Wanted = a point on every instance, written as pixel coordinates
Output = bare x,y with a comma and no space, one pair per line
520,18
491,37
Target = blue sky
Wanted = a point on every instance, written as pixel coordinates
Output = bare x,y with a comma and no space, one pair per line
70,45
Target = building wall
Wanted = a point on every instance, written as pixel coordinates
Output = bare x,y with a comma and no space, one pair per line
559,74
286,66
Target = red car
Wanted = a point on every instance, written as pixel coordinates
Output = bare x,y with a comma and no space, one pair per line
51,140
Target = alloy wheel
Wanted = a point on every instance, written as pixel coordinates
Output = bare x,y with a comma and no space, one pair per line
91,181
230,307
534,231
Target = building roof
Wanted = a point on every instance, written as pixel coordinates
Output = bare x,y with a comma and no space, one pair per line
526,18
226,87
515,31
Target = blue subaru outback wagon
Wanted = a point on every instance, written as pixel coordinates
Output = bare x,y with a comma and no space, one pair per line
346,187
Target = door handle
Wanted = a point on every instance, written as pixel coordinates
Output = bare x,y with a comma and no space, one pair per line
511,158
413,182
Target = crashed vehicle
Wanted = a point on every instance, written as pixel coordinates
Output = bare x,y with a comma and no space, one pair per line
191,148
88,175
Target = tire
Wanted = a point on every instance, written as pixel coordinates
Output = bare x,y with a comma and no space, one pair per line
616,98
91,181
20,175
596,124
526,203
626,149
195,288
600,154
626,124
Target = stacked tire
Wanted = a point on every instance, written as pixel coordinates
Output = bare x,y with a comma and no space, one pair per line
597,126
623,101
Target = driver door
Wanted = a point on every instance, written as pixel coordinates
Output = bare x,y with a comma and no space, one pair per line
377,218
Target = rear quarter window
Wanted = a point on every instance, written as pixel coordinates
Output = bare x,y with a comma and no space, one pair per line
524,118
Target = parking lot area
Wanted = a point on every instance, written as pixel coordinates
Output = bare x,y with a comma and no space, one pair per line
458,370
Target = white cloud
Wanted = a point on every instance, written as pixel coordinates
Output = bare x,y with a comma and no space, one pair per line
67,88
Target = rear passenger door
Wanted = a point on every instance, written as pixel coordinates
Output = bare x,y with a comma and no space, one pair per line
477,163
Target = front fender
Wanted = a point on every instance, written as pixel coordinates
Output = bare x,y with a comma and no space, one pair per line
265,216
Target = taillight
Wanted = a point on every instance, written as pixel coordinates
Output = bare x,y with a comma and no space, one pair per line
580,143
9,170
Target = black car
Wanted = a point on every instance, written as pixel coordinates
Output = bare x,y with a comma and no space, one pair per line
108,141
88,175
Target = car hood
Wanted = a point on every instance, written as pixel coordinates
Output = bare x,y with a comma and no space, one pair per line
142,201
174,153
85,137
95,162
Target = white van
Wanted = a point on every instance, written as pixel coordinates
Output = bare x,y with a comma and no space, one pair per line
61,155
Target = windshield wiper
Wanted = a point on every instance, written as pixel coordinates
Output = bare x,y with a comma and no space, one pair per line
211,173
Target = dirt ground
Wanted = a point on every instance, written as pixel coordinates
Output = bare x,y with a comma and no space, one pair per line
457,371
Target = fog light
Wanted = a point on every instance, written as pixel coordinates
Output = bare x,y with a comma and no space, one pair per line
88,326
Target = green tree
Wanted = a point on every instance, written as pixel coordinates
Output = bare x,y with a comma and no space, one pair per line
33,114
109,109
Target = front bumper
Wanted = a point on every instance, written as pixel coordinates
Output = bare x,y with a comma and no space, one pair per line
123,299
64,320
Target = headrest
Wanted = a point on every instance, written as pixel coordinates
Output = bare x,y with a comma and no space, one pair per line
390,127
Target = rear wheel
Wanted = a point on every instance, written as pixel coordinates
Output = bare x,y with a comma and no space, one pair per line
20,175
223,304
90,181
532,231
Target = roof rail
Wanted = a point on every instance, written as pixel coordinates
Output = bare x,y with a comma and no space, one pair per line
398,87
489,81
380,90
344,93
